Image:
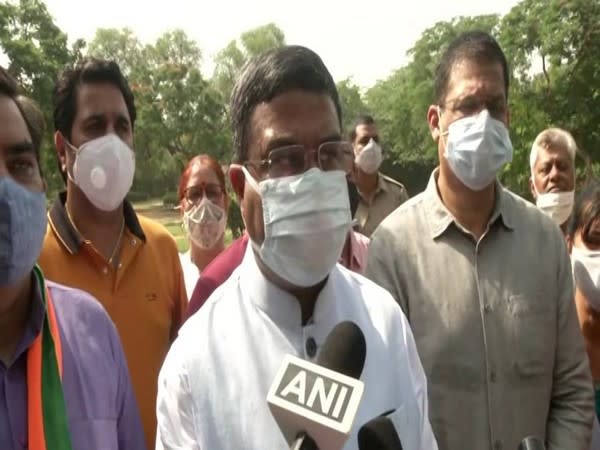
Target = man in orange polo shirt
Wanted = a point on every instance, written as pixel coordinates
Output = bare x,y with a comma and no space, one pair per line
95,241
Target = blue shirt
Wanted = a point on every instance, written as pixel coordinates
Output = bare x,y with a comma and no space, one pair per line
101,409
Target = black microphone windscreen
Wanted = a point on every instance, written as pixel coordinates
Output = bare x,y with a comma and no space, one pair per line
344,350
532,443
379,434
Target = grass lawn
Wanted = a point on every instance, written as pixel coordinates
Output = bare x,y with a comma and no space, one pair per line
171,219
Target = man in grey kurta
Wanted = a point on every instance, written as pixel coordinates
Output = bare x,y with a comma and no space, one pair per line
484,278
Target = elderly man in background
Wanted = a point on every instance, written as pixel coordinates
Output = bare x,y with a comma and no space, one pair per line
552,181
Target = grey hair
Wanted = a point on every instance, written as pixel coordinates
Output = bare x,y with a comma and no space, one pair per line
552,138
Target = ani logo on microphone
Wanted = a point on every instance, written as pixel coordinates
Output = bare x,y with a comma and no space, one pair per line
316,393
320,394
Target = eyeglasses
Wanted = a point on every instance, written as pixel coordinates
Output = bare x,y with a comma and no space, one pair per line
212,191
295,159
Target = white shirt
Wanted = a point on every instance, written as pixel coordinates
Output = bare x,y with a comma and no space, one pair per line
213,386
191,273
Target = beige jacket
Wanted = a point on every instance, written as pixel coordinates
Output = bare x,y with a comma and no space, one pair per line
494,322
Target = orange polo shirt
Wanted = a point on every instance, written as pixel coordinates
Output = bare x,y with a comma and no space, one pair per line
145,296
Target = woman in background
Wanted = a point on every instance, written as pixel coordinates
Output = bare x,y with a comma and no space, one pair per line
204,205
584,244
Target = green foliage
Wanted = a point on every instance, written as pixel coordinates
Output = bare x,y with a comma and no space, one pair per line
400,102
352,103
553,49
560,41
179,114
170,199
37,50
231,59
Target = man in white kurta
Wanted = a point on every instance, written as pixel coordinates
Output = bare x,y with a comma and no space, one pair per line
290,173
213,385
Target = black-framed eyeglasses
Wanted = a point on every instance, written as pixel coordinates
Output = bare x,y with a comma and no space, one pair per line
212,191
296,159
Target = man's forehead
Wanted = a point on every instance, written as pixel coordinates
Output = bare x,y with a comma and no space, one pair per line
13,128
100,98
368,129
294,115
552,152
471,78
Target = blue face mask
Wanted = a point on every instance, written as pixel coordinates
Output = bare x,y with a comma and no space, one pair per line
22,229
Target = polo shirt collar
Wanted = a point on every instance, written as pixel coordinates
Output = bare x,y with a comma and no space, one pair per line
68,234
440,218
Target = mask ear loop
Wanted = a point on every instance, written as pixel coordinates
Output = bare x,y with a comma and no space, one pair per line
75,151
249,178
443,134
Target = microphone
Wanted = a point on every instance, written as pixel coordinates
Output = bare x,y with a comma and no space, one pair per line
532,443
379,434
315,404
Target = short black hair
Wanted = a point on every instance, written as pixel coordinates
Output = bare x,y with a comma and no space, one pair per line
477,46
29,111
365,119
586,212
273,73
88,70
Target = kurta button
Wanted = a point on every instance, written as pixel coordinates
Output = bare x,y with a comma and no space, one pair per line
487,309
105,270
133,242
311,347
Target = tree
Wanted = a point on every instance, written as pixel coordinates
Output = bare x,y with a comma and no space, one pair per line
120,45
352,103
400,102
179,114
230,60
37,50
554,47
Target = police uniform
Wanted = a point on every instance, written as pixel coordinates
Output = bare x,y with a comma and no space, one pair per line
388,195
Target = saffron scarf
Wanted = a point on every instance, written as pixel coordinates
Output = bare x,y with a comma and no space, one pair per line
46,411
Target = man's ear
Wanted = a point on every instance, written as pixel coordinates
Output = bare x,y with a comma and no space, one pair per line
238,180
61,151
433,120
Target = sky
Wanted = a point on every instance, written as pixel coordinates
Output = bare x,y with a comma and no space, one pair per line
364,40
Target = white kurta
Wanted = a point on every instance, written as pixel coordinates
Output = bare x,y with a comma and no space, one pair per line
191,273
213,385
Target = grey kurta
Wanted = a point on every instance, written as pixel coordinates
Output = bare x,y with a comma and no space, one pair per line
494,322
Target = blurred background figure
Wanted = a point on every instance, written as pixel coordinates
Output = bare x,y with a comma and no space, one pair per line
584,244
379,194
552,181
204,204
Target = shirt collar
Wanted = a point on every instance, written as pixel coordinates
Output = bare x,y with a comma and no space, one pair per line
278,304
381,184
68,234
440,218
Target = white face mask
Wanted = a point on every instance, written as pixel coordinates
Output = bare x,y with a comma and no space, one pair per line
306,219
476,149
103,170
205,223
370,157
586,274
556,205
